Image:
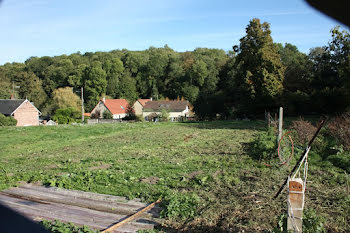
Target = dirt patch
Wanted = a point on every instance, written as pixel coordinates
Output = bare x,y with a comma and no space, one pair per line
51,166
150,180
194,174
102,166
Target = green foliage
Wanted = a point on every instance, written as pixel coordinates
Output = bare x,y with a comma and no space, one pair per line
60,227
31,88
107,115
179,205
264,147
312,222
341,160
95,83
164,115
7,121
66,115
259,77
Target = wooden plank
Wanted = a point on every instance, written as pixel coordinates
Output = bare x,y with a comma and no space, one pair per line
73,214
134,216
105,206
82,194
94,196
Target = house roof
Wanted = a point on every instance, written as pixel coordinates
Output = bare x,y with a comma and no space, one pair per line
116,106
7,107
157,106
143,101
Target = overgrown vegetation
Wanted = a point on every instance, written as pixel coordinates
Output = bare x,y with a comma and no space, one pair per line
7,121
204,171
60,227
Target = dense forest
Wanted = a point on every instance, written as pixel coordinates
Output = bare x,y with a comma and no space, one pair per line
257,75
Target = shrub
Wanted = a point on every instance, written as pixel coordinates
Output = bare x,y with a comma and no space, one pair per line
66,115
107,115
164,115
179,205
341,160
265,145
303,131
7,121
139,118
339,128
312,223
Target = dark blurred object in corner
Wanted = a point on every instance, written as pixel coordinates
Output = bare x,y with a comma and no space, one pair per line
337,9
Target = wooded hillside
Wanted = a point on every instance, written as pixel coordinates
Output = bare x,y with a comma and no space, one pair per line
256,75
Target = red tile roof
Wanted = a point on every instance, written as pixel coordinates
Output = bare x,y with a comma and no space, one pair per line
143,101
116,106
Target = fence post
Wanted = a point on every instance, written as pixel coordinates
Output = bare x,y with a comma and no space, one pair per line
280,123
295,205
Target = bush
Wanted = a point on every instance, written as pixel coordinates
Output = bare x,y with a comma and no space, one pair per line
107,115
164,115
303,131
265,145
66,115
7,121
339,128
312,223
139,118
341,160
179,205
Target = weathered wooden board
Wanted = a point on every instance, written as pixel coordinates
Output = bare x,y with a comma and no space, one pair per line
98,211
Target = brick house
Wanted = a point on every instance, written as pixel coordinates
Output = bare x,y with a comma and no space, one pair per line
23,111
138,106
117,107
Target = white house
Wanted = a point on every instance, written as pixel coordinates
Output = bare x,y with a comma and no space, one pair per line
176,109
117,107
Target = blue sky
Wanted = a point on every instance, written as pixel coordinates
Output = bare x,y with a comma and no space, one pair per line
49,28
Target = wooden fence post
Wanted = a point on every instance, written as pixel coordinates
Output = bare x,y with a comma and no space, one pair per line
280,124
295,205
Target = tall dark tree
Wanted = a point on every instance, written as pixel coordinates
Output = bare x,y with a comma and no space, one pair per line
259,76
95,83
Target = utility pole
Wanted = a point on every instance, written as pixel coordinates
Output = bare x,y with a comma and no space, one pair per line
82,105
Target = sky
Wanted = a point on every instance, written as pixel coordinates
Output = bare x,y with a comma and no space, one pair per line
53,27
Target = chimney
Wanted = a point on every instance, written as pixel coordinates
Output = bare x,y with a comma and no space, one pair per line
151,98
12,97
104,99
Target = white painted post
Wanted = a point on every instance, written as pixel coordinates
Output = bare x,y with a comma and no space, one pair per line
295,205
280,123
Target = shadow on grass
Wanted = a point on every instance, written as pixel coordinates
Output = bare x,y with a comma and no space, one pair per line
235,124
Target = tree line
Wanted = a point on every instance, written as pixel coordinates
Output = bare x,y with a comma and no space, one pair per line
255,76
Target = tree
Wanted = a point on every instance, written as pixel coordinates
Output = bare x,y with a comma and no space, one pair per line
95,83
331,71
259,75
297,79
65,98
31,88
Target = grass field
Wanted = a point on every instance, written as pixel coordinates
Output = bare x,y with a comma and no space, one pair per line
203,171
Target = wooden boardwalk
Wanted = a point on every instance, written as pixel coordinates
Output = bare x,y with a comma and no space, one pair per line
97,211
